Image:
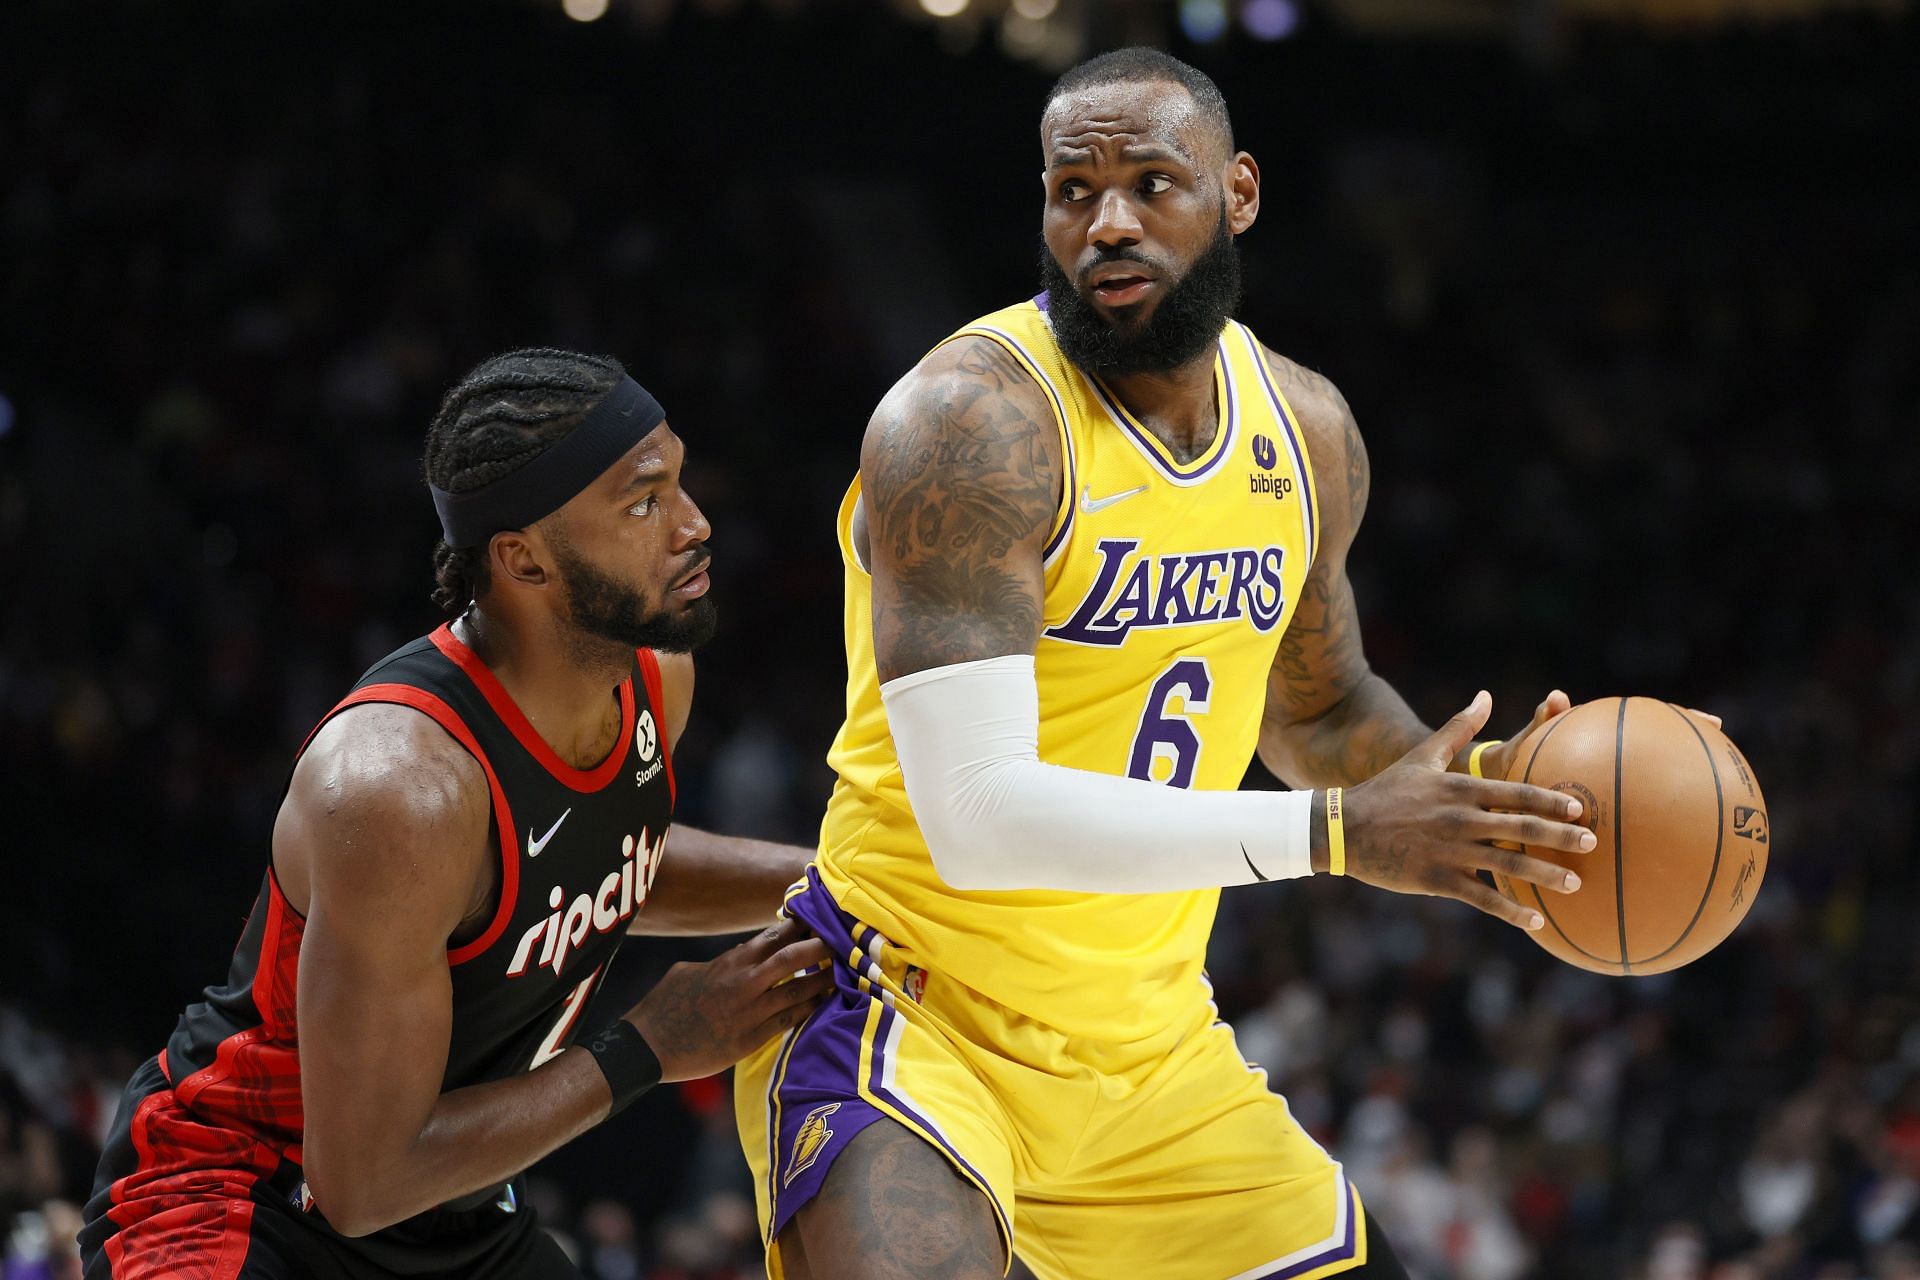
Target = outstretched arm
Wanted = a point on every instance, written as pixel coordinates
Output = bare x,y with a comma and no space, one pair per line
710,883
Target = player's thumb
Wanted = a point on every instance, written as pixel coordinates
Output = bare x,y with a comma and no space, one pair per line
1452,737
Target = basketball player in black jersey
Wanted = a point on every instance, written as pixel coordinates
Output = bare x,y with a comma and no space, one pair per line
464,840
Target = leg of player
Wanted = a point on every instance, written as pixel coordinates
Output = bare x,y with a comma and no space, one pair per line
892,1208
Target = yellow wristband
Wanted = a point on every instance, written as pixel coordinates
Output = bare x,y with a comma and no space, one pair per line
1336,835
1473,757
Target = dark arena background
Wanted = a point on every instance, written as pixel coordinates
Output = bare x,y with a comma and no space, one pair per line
1625,295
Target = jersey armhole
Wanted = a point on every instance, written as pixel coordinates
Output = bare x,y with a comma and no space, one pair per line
431,706
1063,515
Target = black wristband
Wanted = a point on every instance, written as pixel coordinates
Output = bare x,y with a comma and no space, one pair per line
626,1060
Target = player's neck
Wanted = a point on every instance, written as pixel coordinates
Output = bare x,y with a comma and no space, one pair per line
1177,405
562,682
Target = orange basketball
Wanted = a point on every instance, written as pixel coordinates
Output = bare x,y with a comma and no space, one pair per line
1682,832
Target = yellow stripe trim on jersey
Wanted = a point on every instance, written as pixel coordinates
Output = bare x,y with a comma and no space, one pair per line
1063,516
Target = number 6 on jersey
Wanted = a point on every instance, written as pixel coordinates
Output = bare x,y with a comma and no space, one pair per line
1167,746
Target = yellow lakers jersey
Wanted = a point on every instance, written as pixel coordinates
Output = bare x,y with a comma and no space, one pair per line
1168,585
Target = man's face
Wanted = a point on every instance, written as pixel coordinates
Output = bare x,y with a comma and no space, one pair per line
1142,204
631,553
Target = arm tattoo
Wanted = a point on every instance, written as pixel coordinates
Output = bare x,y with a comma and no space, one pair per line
1329,720
960,491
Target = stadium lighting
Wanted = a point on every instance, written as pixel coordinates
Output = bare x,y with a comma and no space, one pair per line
1035,10
1204,21
585,10
944,8
1270,19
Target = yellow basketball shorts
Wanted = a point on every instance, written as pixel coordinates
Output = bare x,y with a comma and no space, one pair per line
1167,1158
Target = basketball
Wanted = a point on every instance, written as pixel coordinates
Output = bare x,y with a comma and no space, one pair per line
1681,829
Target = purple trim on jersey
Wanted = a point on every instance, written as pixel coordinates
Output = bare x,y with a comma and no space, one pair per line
1151,446
1042,298
1293,438
1338,1253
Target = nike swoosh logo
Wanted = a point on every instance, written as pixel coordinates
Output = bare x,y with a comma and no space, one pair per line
1091,504
535,846
1256,871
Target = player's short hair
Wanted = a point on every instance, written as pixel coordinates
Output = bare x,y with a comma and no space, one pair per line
505,413
1140,64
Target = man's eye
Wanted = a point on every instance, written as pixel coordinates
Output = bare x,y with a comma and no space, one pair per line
1156,184
644,507
1073,190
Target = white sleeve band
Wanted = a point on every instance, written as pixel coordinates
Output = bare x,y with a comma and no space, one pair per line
995,817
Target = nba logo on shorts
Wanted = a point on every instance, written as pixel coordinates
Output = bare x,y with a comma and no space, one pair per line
809,1142
915,984
1264,453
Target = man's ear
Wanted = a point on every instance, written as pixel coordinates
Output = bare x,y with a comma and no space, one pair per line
521,556
1243,192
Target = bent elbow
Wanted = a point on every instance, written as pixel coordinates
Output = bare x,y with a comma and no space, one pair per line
948,857
345,1204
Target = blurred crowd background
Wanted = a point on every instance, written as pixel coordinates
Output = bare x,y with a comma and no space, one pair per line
1625,297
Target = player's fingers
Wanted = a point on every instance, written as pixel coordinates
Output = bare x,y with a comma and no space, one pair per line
1452,737
1555,703
781,1021
1526,828
770,939
1523,797
807,991
1515,865
1499,905
803,956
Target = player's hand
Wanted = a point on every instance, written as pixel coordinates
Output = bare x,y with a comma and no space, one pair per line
702,1018
1415,828
1497,761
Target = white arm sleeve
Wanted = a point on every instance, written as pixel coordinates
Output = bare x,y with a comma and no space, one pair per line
995,817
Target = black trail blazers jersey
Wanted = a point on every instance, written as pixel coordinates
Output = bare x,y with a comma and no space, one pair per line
578,852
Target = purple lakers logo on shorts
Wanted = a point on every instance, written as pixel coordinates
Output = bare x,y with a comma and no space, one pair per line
809,1142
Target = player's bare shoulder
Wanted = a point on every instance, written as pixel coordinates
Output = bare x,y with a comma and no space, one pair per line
961,478
969,414
384,795
1342,476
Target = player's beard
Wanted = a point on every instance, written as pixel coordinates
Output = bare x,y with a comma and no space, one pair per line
605,608
1186,323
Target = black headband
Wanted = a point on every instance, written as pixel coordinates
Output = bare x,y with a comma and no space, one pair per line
620,421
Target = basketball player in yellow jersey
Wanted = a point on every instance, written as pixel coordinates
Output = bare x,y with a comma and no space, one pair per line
1095,559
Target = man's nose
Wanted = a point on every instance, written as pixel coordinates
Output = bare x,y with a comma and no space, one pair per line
1114,223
